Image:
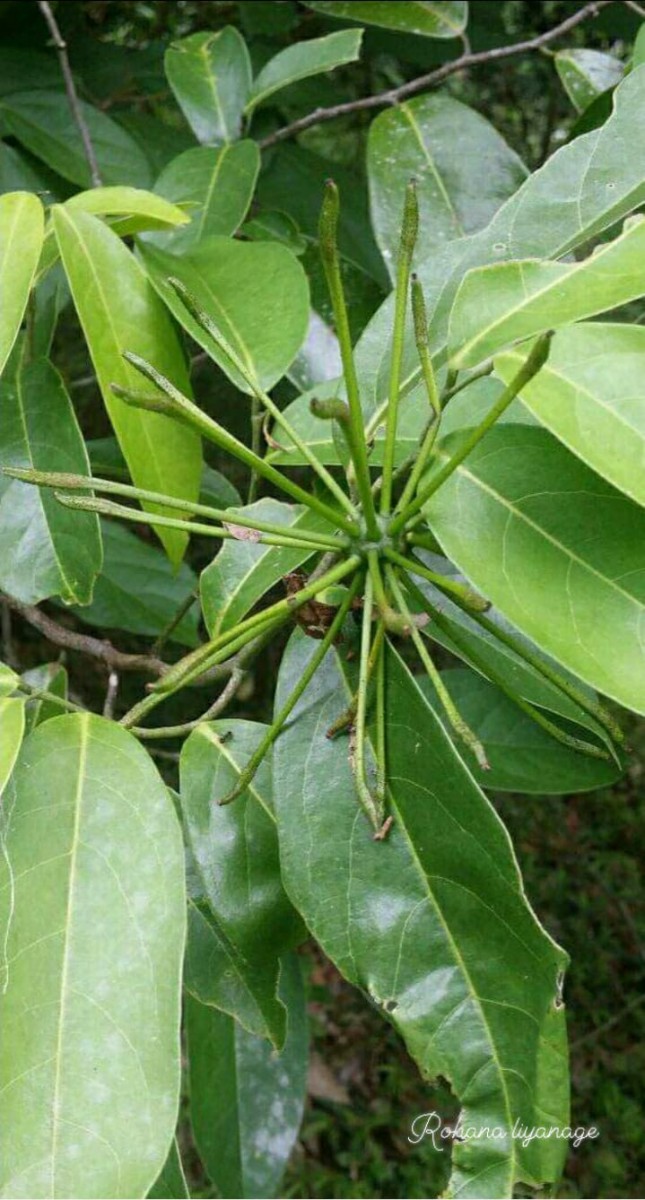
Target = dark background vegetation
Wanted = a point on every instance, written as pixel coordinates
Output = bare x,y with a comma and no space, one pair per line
580,855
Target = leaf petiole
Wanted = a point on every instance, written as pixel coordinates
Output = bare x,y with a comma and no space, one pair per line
406,250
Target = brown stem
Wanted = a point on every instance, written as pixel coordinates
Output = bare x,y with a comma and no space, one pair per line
395,95
72,94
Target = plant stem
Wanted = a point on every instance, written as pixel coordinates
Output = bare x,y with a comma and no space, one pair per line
65,482
358,751
72,96
36,693
173,404
529,368
260,396
278,724
108,509
406,249
470,599
381,764
430,436
531,711
460,727
355,425
391,618
172,731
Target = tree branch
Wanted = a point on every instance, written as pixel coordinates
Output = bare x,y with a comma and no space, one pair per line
115,660
72,95
395,95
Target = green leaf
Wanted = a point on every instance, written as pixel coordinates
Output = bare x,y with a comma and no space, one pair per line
138,589
302,60
119,311
243,571
19,173
464,171
589,395
555,548
210,74
8,680
270,225
496,305
432,922
600,174
12,727
21,238
171,1183
94,902
429,18
522,756
235,850
246,1101
585,74
638,56
241,286
45,549
216,186
41,121
51,677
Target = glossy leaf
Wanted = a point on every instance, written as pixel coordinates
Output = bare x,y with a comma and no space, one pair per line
94,900
464,171
522,756
246,1101
215,184
241,286
210,74
156,212
429,18
12,727
21,237
302,60
560,552
138,589
585,74
40,120
50,677
45,549
589,394
498,305
432,923
171,1183
119,311
601,178
243,571
235,850
8,680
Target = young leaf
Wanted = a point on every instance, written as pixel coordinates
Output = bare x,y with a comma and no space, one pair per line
600,173
302,60
119,311
235,850
240,286
215,184
589,394
585,74
40,120
496,305
94,906
444,20
432,922
8,680
243,571
210,74
138,589
50,677
522,756
246,1101
458,191
12,727
21,238
555,548
171,1183
45,549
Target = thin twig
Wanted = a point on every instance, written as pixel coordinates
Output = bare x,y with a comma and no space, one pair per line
395,95
218,705
110,695
72,94
637,8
